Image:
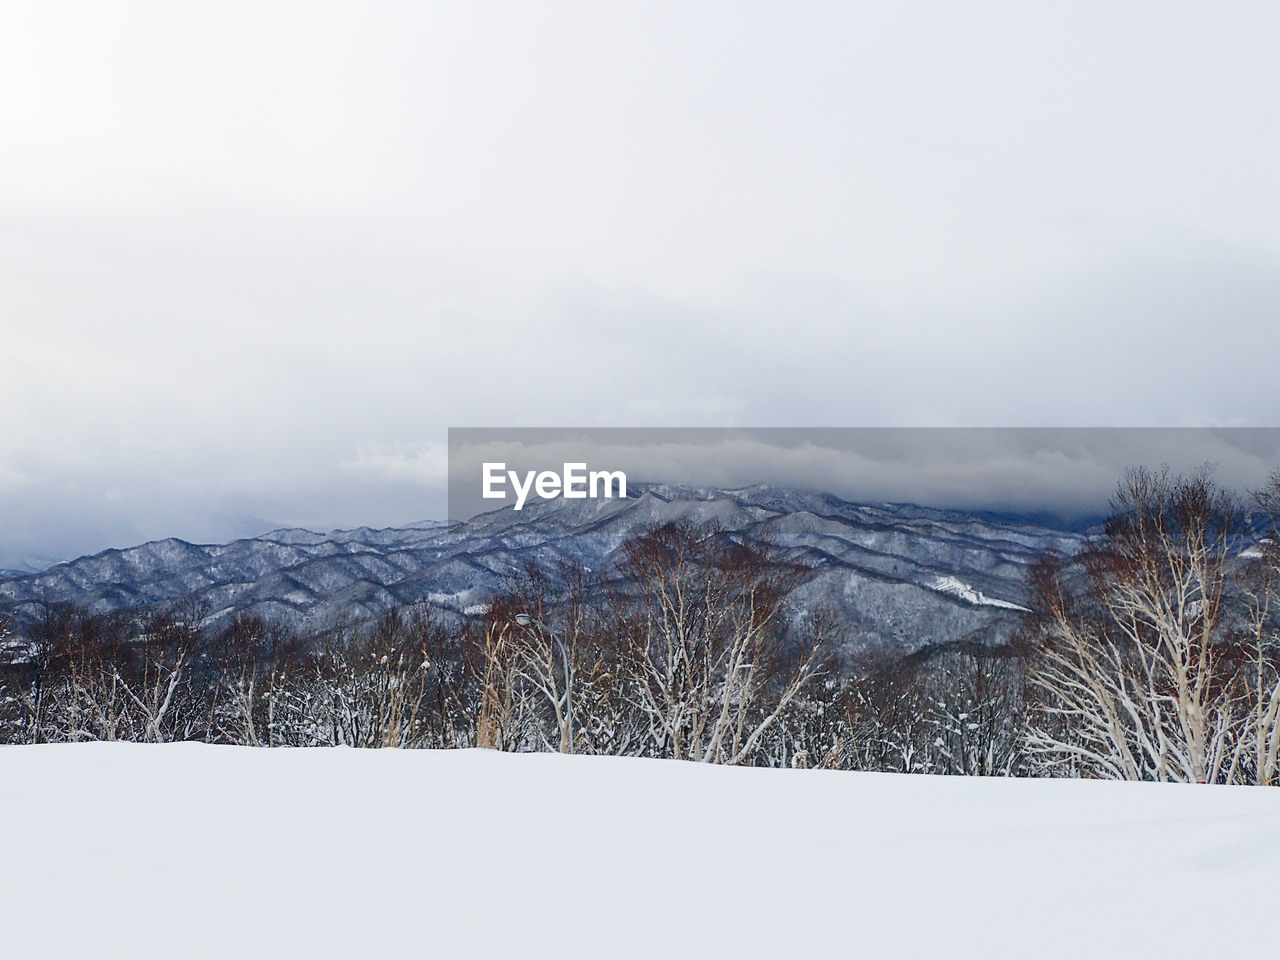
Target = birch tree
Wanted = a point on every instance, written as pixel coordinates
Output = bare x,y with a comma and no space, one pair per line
1134,670
704,644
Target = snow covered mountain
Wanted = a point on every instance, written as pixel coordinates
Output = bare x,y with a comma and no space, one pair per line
893,574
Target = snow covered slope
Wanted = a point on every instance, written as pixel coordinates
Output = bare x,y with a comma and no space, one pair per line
187,850
896,575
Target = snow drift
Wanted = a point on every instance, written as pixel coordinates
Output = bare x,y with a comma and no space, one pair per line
122,850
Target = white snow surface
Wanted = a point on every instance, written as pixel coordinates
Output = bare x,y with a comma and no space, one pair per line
958,588
195,851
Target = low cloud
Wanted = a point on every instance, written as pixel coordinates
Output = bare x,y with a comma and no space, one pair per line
1070,473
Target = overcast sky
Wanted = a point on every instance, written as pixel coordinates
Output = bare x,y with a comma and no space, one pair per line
255,258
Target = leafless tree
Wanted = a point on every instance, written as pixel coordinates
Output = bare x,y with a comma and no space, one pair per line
703,639
1135,668
1257,757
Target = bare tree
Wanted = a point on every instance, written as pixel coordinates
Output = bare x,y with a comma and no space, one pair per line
705,652
1134,669
1257,756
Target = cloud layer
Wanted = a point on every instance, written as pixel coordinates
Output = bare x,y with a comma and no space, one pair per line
1068,473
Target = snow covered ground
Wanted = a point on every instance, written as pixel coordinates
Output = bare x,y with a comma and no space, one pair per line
187,850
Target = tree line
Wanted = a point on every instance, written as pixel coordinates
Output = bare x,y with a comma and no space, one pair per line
1153,654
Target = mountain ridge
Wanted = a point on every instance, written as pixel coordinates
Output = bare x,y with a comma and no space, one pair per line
902,575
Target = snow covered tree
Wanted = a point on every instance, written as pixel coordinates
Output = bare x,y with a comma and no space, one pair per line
258,669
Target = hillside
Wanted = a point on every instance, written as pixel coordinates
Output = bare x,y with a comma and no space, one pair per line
141,851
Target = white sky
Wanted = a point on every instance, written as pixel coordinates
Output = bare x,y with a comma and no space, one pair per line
256,257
